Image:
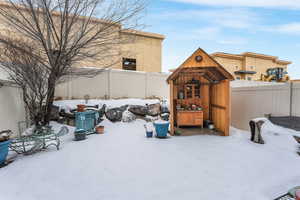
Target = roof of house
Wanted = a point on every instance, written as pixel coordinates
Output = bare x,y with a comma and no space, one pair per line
250,54
144,34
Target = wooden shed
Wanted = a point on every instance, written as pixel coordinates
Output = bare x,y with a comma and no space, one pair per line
200,92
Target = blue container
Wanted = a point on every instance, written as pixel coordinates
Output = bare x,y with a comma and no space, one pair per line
4,150
86,120
149,134
161,129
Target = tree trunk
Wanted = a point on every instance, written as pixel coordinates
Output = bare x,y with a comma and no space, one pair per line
50,100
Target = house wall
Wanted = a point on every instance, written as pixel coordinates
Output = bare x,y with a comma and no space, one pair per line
146,50
260,66
231,65
247,62
145,47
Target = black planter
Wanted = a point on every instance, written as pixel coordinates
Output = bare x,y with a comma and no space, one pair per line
80,135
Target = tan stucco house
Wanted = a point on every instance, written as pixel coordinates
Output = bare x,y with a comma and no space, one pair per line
141,52
249,65
144,54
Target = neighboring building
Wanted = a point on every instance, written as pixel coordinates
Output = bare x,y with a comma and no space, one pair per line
250,66
141,52
144,54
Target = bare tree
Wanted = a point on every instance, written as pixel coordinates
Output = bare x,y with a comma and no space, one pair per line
57,35
20,59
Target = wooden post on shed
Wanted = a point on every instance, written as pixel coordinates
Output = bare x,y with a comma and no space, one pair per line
171,108
228,106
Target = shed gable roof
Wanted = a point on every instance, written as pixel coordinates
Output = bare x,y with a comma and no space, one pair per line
207,63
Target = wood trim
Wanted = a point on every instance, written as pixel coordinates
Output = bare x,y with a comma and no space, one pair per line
199,51
218,106
172,107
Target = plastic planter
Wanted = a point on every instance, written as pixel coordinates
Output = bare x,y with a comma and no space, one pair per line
149,134
161,129
100,129
4,150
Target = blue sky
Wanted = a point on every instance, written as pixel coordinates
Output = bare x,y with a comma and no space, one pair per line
270,27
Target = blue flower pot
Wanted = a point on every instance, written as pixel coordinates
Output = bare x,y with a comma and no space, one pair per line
161,129
149,134
4,151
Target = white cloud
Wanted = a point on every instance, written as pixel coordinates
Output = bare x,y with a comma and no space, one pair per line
289,28
228,17
287,4
209,33
233,41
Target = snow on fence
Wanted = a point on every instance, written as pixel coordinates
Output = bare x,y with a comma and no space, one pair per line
116,84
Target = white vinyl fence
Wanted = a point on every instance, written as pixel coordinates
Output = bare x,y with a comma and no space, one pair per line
116,84
11,108
252,102
248,100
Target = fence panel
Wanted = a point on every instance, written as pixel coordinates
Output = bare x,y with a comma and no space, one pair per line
296,99
12,108
116,84
252,102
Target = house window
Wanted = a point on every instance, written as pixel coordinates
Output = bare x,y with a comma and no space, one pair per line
238,78
249,78
129,64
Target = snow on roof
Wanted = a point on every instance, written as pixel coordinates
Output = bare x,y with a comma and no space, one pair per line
245,83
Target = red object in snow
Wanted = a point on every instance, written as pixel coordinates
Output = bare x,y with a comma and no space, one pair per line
297,194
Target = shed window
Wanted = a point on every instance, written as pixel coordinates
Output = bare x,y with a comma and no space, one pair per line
129,64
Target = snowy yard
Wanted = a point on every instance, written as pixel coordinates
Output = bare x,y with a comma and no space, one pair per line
124,165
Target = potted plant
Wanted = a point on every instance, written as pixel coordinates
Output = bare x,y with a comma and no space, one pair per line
80,108
100,129
4,144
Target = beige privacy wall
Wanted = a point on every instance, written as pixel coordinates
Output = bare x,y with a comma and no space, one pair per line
116,84
246,102
252,102
12,108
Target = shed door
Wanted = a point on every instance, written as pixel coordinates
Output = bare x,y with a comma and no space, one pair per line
220,106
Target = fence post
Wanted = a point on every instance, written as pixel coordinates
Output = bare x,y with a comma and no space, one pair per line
70,87
146,84
291,99
109,83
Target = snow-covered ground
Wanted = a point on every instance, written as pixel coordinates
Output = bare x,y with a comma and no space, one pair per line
123,164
